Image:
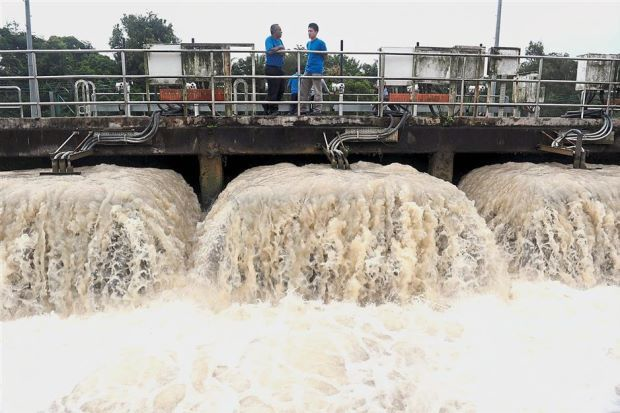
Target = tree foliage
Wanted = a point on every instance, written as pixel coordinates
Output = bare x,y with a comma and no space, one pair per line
51,64
12,38
553,69
136,32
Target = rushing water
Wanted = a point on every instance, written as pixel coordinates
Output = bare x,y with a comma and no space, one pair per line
553,220
371,234
384,291
76,243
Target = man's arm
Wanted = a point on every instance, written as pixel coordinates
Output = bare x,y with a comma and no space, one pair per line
323,48
275,49
271,48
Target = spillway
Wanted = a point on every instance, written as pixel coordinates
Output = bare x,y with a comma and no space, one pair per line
310,289
77,243
553,221
371,234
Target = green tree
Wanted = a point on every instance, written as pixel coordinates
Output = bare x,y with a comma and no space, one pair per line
553,69
136,32
352,67
12,38
50,64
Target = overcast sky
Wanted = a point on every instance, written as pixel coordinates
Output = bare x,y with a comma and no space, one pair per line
574,27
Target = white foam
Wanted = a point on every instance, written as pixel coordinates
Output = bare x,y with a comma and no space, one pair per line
438,342
547,348
552,220
371,234
76,243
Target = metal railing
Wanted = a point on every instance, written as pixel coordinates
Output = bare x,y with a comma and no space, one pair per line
379,81
14,105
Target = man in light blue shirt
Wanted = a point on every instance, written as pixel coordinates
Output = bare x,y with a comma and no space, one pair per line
273,67
314,67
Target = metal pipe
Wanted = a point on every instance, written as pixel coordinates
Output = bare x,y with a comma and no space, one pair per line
76,89
82,92
498,22
19,98
245,89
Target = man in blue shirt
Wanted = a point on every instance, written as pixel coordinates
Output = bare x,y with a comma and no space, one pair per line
314,67
273,67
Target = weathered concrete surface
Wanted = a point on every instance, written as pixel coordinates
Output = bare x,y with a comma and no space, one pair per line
441,165
288,121
291,135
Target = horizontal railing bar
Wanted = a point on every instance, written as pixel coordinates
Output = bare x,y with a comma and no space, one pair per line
328,77
295,51
334,102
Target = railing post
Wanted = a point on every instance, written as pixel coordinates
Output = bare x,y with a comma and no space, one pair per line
414,95
381,83
611,82
490,96
212,85
462,88
253,81
299,82
125,91
540,68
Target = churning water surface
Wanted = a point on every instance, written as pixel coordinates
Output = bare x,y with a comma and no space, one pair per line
311,289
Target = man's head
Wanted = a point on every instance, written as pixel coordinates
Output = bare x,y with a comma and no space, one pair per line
313,30
276,31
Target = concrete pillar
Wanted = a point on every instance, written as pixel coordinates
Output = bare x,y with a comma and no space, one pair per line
441,165
211,179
